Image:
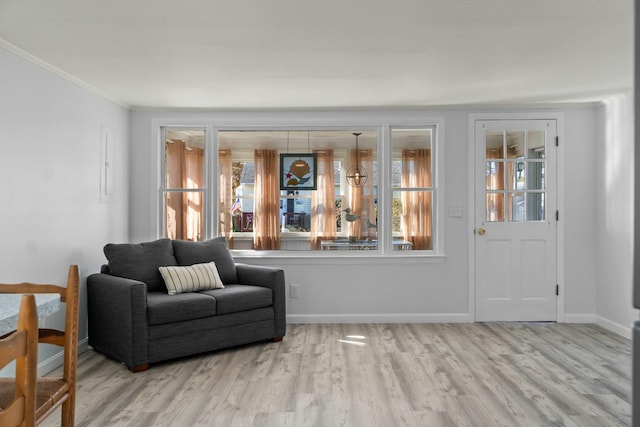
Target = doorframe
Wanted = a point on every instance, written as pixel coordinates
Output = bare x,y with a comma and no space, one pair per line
560,156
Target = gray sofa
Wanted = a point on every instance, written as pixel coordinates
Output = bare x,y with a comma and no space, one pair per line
134,320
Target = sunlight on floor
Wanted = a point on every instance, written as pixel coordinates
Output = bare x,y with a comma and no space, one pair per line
351,341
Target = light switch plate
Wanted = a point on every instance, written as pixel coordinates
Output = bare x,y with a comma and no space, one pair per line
456,211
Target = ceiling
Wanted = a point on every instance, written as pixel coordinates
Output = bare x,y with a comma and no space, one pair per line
254,54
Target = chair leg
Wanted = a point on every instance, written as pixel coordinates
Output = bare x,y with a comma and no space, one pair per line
139,368
276,339
68,413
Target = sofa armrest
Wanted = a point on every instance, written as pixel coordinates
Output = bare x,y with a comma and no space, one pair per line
117,311
270,277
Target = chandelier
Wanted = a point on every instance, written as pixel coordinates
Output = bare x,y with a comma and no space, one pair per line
357,175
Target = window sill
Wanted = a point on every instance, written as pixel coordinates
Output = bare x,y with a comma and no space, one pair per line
338,257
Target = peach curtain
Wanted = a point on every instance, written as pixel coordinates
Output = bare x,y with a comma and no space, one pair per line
496,207
266,220
323,200
184,170
360,200
193,200
495,181
417,205
225,195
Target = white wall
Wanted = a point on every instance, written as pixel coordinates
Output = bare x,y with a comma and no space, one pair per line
51,215
389,289
614,214
577,214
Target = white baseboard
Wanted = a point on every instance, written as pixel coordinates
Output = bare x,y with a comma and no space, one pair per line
57,359
380,318
580,318
625,331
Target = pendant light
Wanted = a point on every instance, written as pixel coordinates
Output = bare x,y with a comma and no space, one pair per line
357,175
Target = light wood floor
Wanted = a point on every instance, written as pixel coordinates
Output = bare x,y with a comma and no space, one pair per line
483,374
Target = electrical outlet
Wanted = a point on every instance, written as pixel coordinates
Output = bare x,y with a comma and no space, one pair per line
294,290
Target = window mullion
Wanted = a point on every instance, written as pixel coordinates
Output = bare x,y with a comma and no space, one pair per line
385,228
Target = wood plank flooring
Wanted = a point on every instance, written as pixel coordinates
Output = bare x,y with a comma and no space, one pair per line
482,374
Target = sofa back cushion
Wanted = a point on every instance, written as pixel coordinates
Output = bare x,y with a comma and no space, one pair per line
140,261
216,250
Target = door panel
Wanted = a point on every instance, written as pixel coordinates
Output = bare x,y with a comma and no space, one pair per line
498,252
532,262
515,239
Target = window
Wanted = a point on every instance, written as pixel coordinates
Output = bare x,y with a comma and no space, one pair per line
264,216
412,201
259,205
515,176
183,183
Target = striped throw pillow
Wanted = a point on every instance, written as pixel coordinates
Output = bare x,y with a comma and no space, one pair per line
192,278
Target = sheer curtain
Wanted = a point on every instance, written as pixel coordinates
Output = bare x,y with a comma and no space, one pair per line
225,195
416,205
495,181
194,172
360,200
323,200
184,170
266,227
496,208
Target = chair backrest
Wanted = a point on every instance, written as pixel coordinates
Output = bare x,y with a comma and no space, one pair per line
22,346
68,339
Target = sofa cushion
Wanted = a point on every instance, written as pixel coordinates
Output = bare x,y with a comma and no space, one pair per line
163,308
236,298
140,261
216,250
191,278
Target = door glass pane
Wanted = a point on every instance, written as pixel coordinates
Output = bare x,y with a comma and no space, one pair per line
495,175
515,144
535,175
520,175
516,207
495,144
515,175
535,206
495,207
535,143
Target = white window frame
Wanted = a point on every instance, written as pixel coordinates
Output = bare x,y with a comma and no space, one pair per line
327,121
162,190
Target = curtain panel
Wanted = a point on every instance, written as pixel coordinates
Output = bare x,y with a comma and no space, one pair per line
266,222
496,208
193,200
323,200
360,200
185,170
417,205
225,195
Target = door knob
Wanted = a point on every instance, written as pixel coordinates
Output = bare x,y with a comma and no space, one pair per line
480,231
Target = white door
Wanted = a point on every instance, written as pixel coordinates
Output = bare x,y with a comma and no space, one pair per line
515,220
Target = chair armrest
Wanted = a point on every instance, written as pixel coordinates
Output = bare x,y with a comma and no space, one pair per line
117,311
269,277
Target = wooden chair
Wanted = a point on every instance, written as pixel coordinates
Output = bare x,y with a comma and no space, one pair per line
21,346
53,392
